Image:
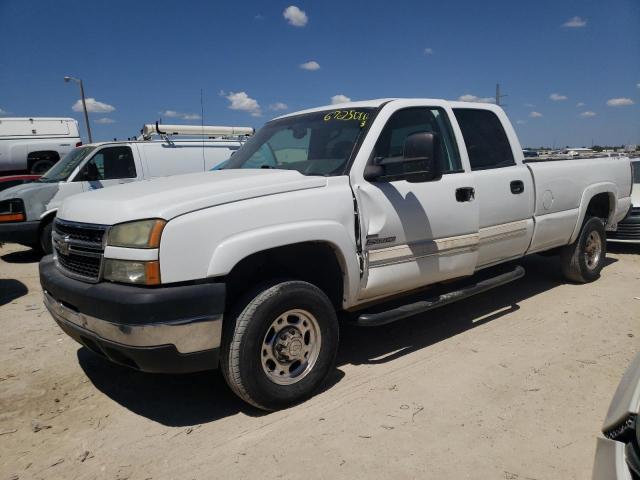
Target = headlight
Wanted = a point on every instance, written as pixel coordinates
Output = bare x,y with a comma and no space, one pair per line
138,234
12,210
131,271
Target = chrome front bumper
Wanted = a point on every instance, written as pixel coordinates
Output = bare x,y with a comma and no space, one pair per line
189,335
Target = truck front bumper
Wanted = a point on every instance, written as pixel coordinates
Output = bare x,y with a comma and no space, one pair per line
175,329
24,233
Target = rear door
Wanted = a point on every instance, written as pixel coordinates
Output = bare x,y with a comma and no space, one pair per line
414,234
504,187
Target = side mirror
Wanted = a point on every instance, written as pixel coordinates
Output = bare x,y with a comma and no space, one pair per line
419,162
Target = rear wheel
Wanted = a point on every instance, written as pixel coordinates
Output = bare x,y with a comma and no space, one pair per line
583,260
41,165
280,345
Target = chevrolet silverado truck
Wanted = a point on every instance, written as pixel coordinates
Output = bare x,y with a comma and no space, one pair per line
333,209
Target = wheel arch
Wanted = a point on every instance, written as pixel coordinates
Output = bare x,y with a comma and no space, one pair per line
302,253
597,200
36,155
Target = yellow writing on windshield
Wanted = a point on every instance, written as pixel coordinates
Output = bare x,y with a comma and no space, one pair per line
347,115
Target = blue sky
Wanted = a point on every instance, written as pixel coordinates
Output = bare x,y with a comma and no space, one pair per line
142,59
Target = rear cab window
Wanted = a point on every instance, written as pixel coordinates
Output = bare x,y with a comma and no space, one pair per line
484,136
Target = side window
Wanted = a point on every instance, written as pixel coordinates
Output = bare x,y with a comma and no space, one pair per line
417,120
110,163
485,138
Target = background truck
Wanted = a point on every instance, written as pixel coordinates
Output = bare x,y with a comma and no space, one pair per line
34,145
333,209
27,211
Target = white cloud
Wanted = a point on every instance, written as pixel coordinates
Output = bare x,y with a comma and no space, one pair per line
339,99
520,122
428,51
535,114
3,112
183,116
295,16
638,85
243,102
580,104
529,105
467,97
619,102
588,114
556,97
312,65
93,106
575,22
105,121
278,106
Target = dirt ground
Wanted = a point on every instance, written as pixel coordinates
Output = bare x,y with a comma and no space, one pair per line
512,384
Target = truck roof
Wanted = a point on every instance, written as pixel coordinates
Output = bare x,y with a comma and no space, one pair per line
375,103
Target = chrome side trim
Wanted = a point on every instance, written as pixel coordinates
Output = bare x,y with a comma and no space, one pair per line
412,251
503,231
188,335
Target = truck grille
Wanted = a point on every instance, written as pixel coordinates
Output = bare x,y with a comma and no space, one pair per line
78,249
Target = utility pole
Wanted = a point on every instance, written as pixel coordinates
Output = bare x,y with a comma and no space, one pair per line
499,96
68,79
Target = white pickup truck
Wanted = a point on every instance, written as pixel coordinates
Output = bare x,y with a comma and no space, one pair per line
35,144
325,210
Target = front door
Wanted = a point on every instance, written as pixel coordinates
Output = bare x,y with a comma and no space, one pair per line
415,234
107,167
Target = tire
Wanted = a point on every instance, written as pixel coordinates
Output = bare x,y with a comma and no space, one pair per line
45,244
583,260
280,345
41,166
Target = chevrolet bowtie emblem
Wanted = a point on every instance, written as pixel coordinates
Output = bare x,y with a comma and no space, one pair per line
63,245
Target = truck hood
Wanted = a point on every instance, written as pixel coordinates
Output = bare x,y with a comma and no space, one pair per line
27,190
36,197
172,196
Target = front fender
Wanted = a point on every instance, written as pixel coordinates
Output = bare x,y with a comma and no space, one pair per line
235,248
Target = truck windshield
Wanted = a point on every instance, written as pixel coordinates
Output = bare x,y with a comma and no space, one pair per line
318,143
636,171
61,170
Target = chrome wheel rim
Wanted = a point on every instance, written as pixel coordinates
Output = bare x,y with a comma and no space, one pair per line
290,347
593,250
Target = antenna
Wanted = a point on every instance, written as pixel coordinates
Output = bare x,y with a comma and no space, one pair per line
499,96
204,165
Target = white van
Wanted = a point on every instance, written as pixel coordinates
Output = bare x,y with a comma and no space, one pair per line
35,144
26,211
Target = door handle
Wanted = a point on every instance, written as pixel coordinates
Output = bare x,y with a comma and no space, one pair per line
517,186
465,194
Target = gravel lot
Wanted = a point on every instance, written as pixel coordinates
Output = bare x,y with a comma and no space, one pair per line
512,384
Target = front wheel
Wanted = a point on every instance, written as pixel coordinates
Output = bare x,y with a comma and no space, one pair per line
280,345
583,260
45,242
